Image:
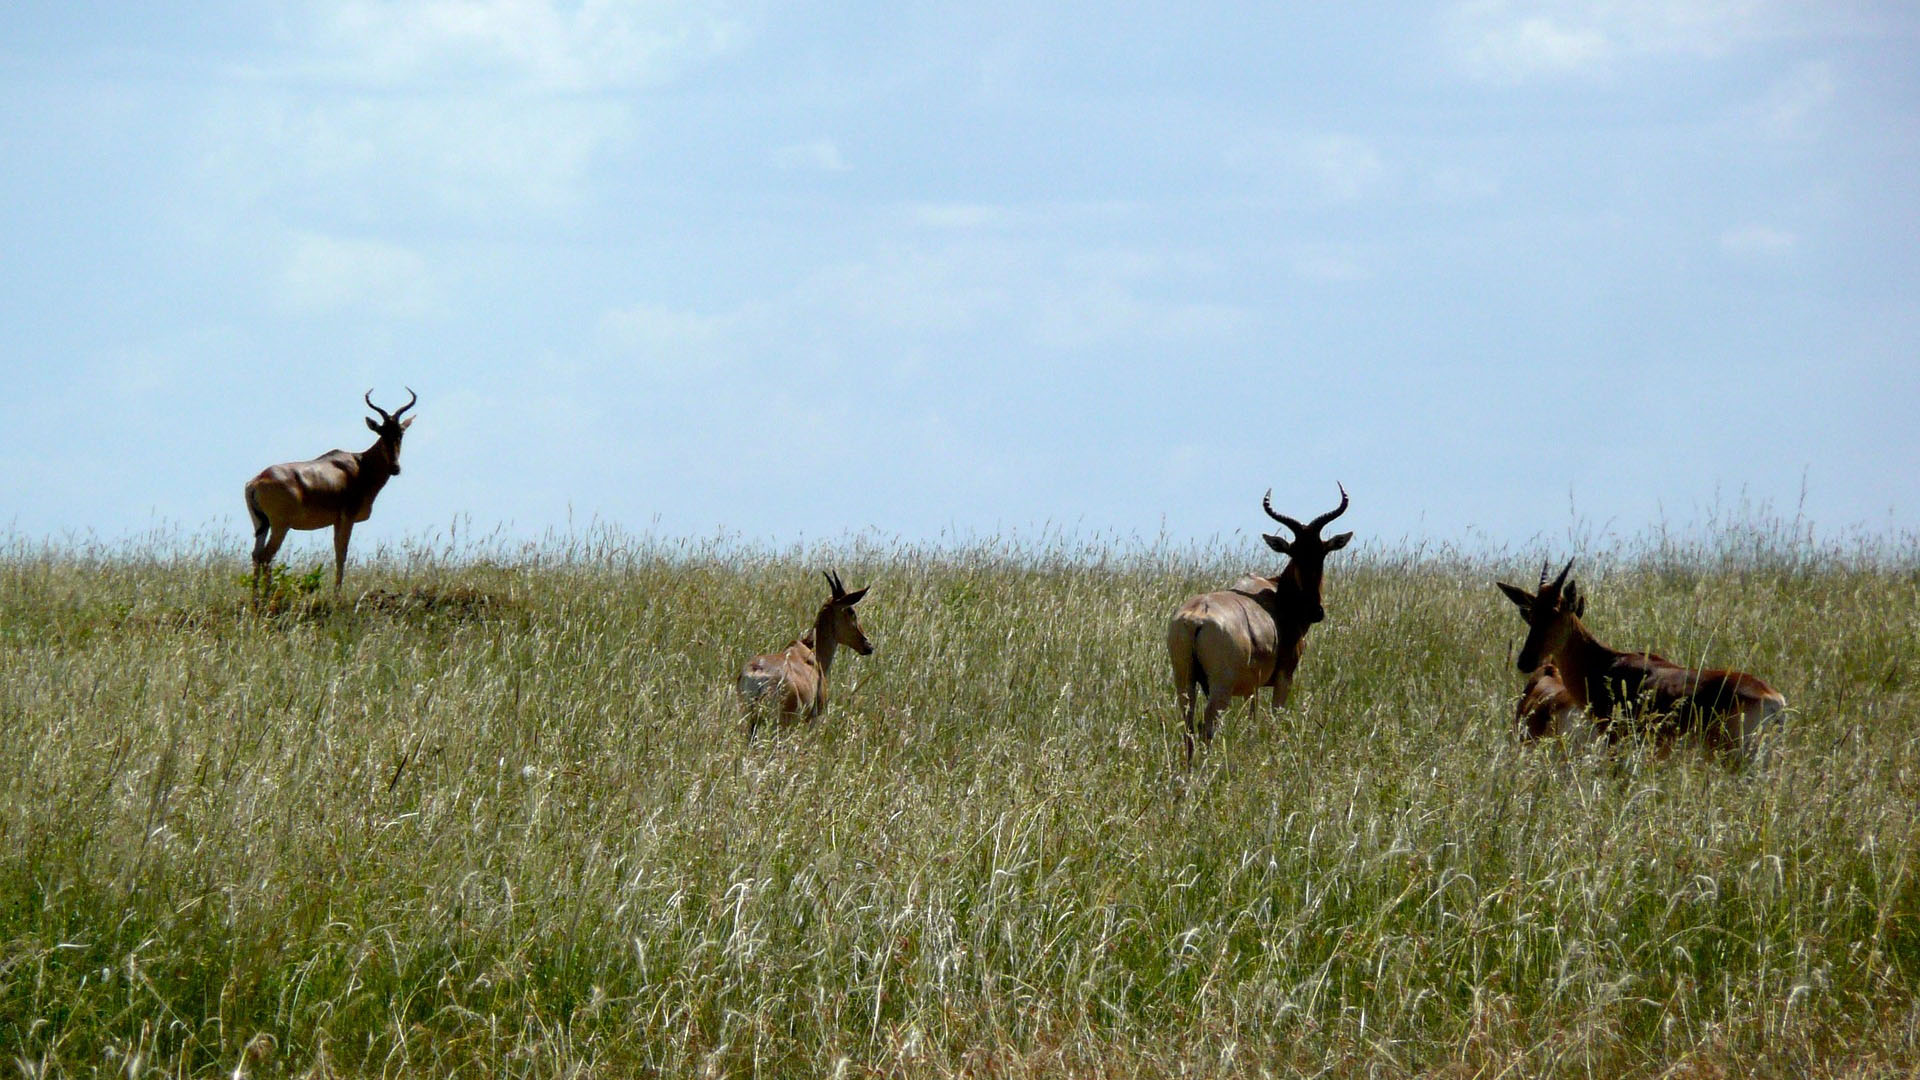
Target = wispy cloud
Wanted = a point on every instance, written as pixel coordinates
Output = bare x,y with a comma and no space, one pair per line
472,155
1516,41
960,216
327,273
1335,166
483,107
909,297
820,155
595,44
1344,167
1522,48
665,342
1325,264
1757,241
1793,108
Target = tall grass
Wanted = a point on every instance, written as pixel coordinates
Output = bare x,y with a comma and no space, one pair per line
495,814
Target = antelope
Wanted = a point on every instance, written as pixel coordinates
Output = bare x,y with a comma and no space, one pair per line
1232,643
337,488
1546,710
795,679
1648,694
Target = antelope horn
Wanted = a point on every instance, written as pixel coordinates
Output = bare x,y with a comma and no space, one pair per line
833,582
1543,574
1317,523
411,398
384,418
1266,503
1562,579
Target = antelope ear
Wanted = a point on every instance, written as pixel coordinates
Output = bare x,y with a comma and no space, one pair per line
373,427
1521,598
1276,543
1339,542
851,598
407,423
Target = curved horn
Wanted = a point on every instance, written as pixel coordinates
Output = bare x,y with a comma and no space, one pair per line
411,398
384,418
1317,523
833,582
1562,579
1543,575
1266,503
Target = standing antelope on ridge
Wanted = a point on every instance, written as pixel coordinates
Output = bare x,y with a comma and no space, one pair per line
1232,643
337,488
1646,694
795,679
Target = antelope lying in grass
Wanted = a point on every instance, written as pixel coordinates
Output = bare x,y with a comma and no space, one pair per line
1647,694
1547,710
1232,643
335,489
794,680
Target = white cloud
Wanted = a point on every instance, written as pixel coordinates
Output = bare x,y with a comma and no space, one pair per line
1054,300
820,155
1757,241
1328,265
1535,45
1334,166
665,341
1344,167
326,273
592,44
1793,107
1103,312
1462,184
469,155
960,216
395,108
949,290
1515,41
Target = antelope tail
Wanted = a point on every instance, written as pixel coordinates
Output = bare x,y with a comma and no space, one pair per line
1196,671
1188,671
253,511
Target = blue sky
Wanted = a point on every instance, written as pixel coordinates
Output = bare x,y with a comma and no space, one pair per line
790,270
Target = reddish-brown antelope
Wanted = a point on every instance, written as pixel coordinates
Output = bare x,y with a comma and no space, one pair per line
1232,643
1638,693
794,680
336,489
1546,710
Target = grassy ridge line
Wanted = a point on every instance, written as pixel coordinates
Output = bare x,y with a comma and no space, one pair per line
525,836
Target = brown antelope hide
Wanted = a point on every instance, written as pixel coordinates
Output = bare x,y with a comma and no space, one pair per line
1638,693
794,680
334,490
1546,710
1232,643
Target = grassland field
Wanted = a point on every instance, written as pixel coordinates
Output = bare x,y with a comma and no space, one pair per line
495,815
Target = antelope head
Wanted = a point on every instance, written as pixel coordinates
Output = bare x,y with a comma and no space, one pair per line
390,427
1307,550
1552,614
844,621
